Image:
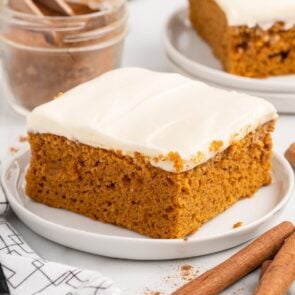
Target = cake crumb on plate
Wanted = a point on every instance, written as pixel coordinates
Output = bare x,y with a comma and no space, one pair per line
13,149
238,224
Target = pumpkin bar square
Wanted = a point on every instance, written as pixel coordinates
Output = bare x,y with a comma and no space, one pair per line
155,153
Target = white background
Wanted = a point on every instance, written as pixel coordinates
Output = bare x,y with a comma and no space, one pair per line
143,48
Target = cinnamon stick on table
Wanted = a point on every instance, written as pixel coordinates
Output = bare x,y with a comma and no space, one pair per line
264,267
280,274
236,267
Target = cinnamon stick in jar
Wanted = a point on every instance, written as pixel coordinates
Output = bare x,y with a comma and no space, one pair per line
60,6
280,274
236,267
25,6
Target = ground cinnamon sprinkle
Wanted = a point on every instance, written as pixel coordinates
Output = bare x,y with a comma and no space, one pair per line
13,149
23,138
150,292
181,274
172,280
186,267
188,272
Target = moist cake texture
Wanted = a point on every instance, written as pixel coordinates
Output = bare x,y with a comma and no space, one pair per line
112,154
251,38
129,192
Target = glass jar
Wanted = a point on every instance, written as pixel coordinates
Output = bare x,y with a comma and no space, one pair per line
45,55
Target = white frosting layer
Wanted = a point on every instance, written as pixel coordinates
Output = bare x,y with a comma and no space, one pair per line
136,110
263,13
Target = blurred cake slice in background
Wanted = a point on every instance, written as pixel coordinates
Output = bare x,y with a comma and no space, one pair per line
251,38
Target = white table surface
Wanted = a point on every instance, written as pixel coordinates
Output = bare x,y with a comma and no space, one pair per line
143,48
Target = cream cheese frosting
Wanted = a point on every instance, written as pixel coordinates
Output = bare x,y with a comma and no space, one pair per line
263,13
155,114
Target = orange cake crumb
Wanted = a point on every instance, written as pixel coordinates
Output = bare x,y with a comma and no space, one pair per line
238,224
176,159
215,146
188,272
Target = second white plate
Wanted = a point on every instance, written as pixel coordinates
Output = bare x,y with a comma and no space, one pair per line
78,232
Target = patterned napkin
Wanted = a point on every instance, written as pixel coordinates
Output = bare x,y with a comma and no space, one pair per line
25,273
3,201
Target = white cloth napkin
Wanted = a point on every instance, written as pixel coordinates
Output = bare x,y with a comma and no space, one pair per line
28,274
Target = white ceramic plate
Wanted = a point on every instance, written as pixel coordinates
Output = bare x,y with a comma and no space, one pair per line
187,49
284,102
82,233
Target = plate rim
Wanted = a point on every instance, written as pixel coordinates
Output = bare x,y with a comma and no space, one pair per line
258,93
244,229
205,71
